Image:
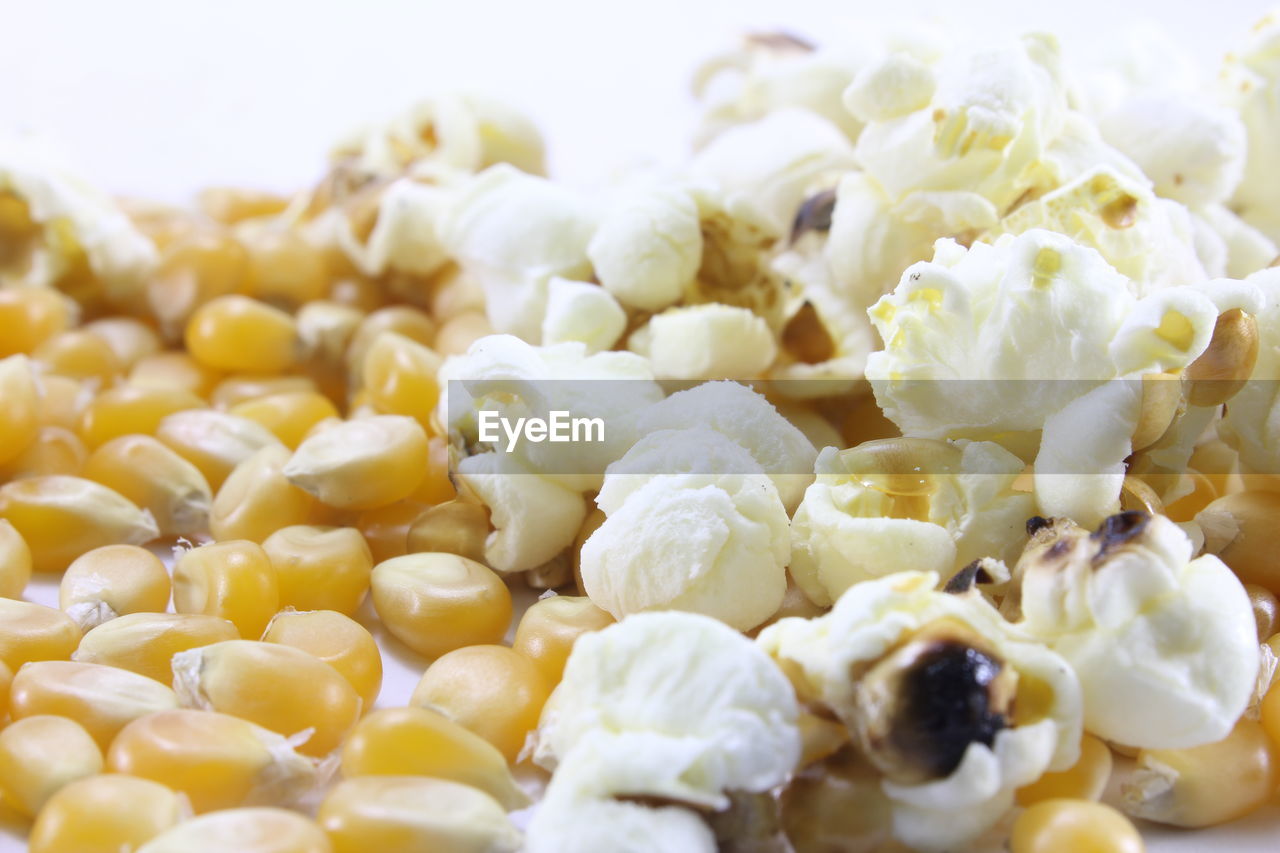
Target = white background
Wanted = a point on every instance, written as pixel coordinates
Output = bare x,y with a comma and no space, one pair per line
157,98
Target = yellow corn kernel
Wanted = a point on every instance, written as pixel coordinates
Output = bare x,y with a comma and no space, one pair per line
174,370
233,579
284,269
493,691
320,568
404,320
6,681
31,315
130,340
230,205
235,390
1073,826
399,814
356,291
361,464
421,742
1270,709
550,627
436,487
336,639
1085,780
278,687
1241,530
102,699
215,442
15,561
289,415
820,738
1266,610
256,500
841,808
236,333
105,814
217,760
1204,785
454,527
156,479
458,333
34,632
20,414
194,269
435,603
62,517
386,529
129,409
111,581
400,376
325,329
63,401
455,292
146,642
79,354
56,450
258,830
39,755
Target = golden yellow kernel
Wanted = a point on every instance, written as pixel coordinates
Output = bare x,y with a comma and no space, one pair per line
215,442
399,375
41,754
31,315
233,579
283,268
256,830
175,371
1073,826
63,401
194,269
129,409
1176,330
56,450
238,389
1241,529
361,464
6,681
841,808
337,640
1266,610
289,415
145,643
130,339
550,627
31,631
458,334
230,205
256,500
386,529
80,355
111,581
325,329
454,527
15,561
320,568
109,813
1085,780
1223,368
404,320
236,333
20,414
435,603
156,479
1270,710
354,290
454,292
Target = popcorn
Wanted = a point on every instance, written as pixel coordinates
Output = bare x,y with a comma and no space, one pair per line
514,233
897,85
582,312
710,341
896,504
712,539
1249,424
1164,645
870,662
1251,85
648,246
405,234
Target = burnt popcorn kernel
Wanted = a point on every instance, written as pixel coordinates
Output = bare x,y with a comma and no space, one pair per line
1116,530
1036,523
814,214
965,579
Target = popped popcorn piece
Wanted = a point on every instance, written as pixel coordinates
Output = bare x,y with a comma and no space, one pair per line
405,232
1250,83
1250,422
874,661
711,341
648,246
582,312
1164,645
897,85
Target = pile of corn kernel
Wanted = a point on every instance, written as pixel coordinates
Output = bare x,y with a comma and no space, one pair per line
841,603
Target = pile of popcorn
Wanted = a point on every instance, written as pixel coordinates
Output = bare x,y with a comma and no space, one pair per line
935,506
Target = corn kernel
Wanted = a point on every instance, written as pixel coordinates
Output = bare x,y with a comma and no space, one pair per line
79,354
493,691
130,340
1073,826
400,814
146,642
421,742
1270,708
62,517
256,500
175,371
236,333
63,401
1241,530
156,479
325,330
102,699
283,268
31,315
129,409
841,808
260,830
404,320
217,760
455,292
1084,780
289,415
105,814
435,603
34,632
235,390
195,269
453,527
233,579
458,334
337,640
6,681
320,568
1266,610
400,376
386,529
361,464
230,205
15,561
550,627
110,581
39,755
20,414
436,487
215,442
55,450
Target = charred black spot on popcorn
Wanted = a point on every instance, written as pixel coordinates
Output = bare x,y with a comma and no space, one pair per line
814,214
1036,523
965,579
1059,549
1118,529
945,706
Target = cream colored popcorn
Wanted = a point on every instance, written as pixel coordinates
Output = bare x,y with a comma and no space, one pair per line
874,661
694,524
1163,644
1250,83
514,232
582,312
893,505
710,341
677,706
897,85
1242,249
1250,423
405,234
68,227
648,246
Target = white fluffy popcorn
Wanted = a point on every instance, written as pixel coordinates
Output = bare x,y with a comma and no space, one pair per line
514,232
867,626
1251,85
1252,420
895,86
405,236
1164,645
865,518
648,246
677,706
583,312
711,341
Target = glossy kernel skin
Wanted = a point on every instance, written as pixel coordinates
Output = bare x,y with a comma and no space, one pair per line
146,642
31,315
234,580
105,814
112,581
237,334
15,561
80,355
34,632
39,755
361,464
214,442
155,478
256,500
130,339
245,830
455,527
54,450
128,409
174,371
20,415
320,568
336,639
1073,826
550,627
435,603
289,415
400,376
1085,780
